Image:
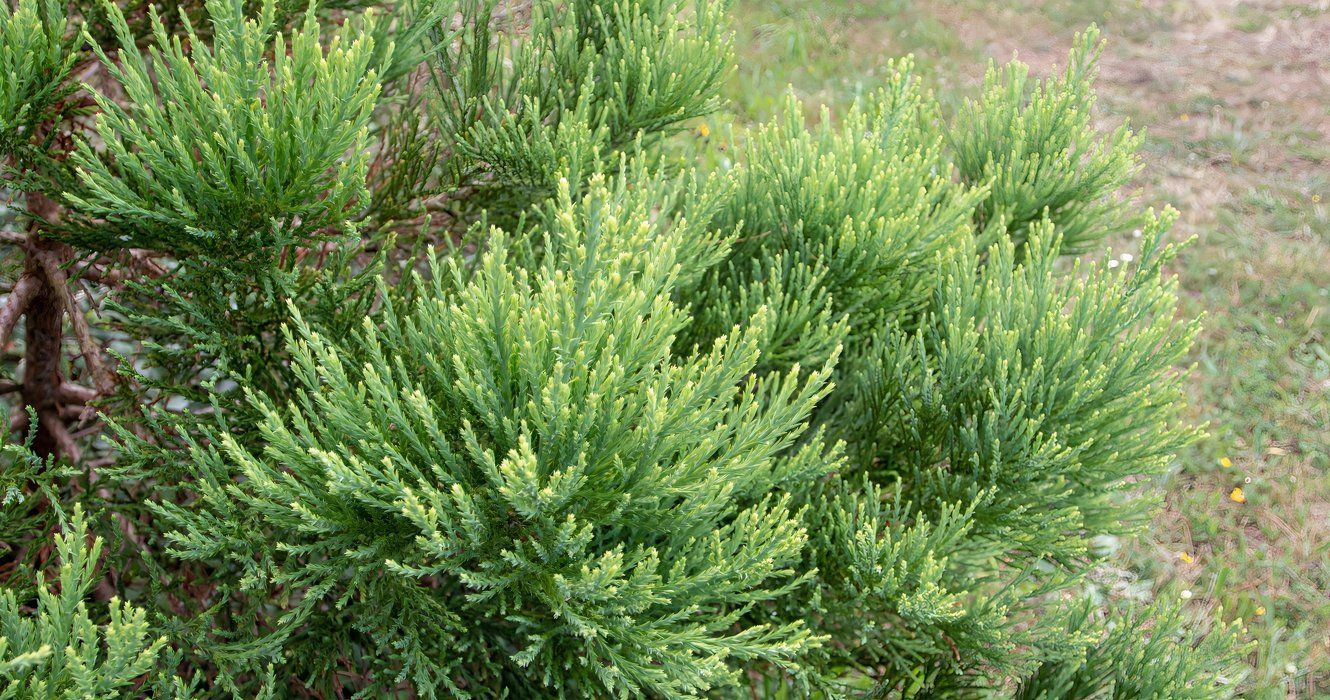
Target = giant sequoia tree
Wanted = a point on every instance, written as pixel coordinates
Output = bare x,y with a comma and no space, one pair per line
407,351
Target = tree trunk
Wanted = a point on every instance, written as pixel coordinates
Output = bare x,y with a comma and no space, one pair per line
43,338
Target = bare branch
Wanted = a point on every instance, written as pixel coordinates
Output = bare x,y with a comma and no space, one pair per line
24,290
75,393
92,352
110,270
78,413
142,261
50,420
93,428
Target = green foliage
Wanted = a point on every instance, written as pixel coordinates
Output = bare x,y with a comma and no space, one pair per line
28,485
59,651
1037,152
1152,652
440,486
1035,392
586,80
890,598
838,420
233,160
1014,421
225,153
841,230
36,58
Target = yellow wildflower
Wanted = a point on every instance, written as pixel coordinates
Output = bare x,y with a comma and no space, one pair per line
1237,496
1260,610
1186,558
703,130
1225,462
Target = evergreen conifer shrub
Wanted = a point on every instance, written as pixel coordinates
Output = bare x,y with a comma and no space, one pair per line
410,350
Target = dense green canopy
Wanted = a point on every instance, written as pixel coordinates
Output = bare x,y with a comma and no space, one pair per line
445,369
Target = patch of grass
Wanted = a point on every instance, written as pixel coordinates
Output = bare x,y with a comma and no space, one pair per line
1295,208
1127,19
1262,381
827,53
1254,17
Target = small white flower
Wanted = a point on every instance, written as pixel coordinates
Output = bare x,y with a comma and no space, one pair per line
1186,594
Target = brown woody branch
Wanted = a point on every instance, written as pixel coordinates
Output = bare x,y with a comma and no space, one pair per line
92,352
110,271
75,393
52,425
24,290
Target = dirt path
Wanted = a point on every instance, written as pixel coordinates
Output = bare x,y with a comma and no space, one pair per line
1247,82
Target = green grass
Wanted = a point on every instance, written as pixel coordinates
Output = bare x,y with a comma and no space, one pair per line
1232,143
827,53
